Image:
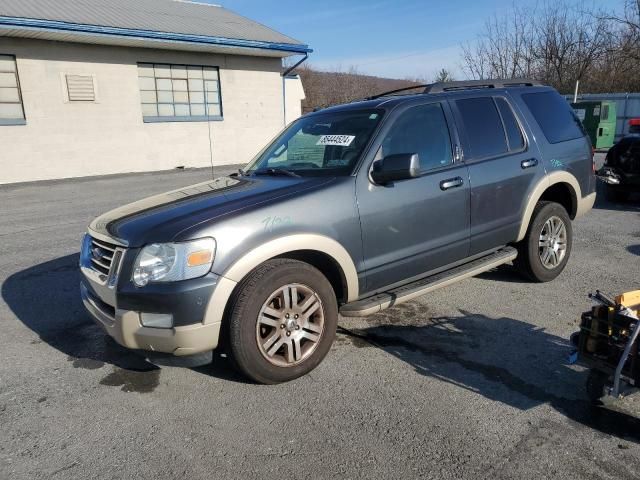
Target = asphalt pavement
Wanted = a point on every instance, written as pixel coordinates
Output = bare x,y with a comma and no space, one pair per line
471,381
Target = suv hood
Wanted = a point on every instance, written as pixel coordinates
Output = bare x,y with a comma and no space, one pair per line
163,217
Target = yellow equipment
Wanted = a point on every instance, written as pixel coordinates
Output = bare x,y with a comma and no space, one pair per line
608,343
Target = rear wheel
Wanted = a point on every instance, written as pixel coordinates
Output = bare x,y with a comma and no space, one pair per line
282,321
545,250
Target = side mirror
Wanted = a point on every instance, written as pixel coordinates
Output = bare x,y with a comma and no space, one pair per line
401,166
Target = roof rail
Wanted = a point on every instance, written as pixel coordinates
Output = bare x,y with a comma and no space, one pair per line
440,87
398,90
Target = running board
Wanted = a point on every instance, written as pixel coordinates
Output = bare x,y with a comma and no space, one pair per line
382,301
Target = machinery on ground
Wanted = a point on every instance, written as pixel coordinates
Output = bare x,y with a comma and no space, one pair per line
608,343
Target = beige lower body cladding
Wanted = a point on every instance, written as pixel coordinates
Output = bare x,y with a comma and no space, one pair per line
63,139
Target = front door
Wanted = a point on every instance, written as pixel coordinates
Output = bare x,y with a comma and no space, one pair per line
417,225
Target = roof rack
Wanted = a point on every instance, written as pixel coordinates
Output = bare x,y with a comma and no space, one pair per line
440,87
398,90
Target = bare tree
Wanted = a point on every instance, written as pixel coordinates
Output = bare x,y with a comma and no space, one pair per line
444,75
568,44
504,49
559,44
628,33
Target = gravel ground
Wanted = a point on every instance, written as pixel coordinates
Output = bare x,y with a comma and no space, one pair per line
471,381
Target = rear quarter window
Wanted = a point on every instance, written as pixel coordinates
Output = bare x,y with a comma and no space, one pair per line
554,115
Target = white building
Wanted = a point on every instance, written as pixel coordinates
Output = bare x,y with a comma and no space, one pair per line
112,86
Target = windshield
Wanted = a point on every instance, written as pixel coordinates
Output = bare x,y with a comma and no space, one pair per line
322,144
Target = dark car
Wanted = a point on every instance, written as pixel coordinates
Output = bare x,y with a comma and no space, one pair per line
351,210
621,169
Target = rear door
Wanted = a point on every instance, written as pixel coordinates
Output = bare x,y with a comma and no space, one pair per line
504,167
413,226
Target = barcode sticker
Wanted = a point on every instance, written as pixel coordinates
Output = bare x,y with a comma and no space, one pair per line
338,140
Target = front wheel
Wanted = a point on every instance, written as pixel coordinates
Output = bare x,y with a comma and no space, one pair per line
283,321
545,250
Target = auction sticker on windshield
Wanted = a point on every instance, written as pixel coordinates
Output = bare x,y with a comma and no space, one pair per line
338,140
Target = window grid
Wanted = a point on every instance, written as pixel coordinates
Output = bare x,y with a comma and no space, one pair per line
11,107
179,92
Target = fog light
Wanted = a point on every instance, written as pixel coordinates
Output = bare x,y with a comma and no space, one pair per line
156,320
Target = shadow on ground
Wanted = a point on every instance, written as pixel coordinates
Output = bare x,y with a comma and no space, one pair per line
503,359
503,273
46,298
631,204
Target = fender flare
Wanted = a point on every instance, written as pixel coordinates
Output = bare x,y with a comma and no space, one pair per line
291,243
279,246
550,179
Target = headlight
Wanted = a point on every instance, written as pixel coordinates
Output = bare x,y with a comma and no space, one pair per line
169,262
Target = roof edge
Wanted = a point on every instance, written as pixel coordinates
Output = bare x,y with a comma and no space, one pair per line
97,30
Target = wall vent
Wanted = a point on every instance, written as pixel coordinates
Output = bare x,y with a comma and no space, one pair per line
81,88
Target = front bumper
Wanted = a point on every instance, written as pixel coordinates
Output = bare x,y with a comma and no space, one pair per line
126,329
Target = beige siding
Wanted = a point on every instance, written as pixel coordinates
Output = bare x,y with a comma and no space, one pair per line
69,139
294,94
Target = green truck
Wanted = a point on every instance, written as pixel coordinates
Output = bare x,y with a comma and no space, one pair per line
599,120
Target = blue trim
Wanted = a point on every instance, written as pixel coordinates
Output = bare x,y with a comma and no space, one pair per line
57,26
201,118
13,121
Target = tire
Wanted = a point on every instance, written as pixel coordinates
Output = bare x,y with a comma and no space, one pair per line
273,341
532,260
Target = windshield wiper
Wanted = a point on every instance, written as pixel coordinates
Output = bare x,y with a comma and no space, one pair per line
276,172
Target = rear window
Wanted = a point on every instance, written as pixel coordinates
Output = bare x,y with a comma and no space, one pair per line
483,127
554,115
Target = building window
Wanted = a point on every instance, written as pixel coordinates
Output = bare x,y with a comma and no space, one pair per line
11,111
179,93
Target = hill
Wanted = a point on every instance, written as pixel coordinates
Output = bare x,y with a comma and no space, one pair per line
323,89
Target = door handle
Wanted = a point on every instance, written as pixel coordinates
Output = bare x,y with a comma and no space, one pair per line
451,183
532,162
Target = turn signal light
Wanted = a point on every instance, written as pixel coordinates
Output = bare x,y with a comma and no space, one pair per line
201,257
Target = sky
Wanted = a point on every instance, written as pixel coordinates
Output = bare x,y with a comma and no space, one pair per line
396,39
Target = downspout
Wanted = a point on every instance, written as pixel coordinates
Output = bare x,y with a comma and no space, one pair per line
284,88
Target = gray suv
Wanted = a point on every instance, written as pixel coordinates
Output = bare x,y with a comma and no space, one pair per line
350,210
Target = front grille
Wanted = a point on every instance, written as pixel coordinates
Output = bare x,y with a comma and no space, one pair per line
102,256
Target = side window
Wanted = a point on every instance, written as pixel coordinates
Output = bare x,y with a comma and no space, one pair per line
605,113
514,134
554,115
11,111
422,130
172,93
483,127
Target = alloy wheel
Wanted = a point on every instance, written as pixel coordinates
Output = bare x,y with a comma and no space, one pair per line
552,244
290,325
